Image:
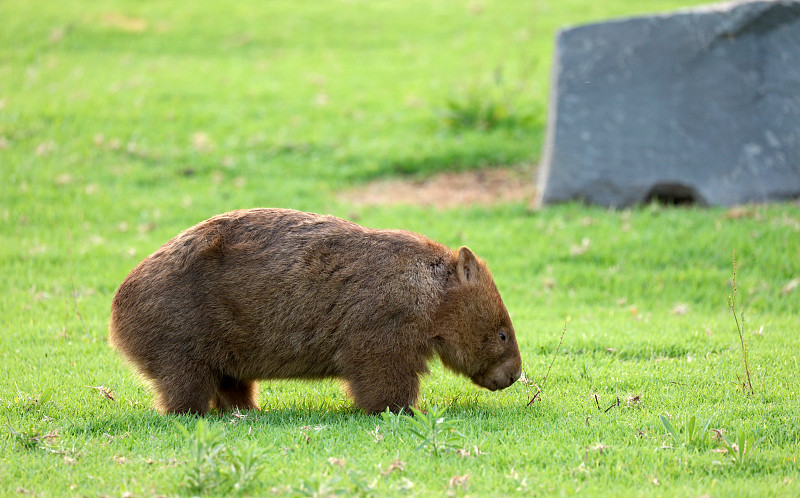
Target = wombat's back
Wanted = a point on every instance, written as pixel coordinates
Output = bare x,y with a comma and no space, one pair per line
272,293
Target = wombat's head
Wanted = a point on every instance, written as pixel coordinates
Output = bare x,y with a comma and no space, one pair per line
473,334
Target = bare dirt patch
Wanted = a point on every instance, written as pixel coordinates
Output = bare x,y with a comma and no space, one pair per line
447,190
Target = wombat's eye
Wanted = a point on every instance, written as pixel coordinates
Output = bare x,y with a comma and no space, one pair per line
502,337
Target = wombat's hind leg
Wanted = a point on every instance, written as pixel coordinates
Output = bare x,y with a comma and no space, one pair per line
234,393
374,395
187,395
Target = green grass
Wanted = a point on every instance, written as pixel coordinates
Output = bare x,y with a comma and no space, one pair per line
122,123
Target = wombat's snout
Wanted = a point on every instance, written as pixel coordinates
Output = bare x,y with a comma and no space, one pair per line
514,377
498,378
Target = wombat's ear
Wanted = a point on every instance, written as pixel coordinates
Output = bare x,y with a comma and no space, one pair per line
468,267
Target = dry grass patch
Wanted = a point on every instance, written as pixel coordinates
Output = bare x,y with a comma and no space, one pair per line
447,190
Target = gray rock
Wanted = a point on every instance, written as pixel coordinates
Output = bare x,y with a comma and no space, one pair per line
701,106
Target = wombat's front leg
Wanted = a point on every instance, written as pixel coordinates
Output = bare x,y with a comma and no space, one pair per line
374,393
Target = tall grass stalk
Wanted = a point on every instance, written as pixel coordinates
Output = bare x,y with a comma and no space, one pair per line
547,374
747,385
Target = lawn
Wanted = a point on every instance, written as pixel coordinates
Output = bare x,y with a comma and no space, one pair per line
122,123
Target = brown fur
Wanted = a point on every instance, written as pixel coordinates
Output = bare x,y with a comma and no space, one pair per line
276,294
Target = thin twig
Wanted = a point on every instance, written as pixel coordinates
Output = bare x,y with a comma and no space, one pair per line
538,391
616,403
547,374
46,436
104,391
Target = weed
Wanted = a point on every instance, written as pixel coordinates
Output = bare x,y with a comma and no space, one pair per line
29,403
27,439
747,385
214,467
486,106
694,436
738,450
436,433
202,472
242,465
391,420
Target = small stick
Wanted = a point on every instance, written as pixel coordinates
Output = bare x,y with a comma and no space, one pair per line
46,436
547,374
104,391
538,391
597,402
616,403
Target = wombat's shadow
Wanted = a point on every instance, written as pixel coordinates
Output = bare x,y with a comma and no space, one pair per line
281,417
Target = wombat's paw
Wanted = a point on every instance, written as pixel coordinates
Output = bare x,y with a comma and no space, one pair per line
182,406
379,408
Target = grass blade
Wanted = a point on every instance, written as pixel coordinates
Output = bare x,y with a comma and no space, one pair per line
668,426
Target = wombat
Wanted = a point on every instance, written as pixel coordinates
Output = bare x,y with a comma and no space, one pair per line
281,294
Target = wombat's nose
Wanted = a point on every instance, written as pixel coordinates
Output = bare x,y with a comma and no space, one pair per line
516,376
